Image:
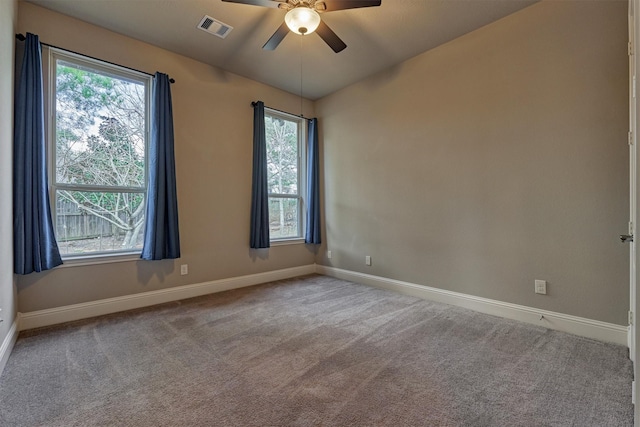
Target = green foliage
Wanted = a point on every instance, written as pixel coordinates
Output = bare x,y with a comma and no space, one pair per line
100,142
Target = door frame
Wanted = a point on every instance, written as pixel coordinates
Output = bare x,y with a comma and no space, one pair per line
634,184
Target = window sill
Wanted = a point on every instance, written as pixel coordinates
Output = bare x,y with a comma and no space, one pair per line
83,260
285,242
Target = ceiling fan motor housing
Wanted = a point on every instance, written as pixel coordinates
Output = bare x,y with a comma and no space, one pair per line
302,19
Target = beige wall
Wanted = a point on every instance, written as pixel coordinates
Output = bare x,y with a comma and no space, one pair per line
491,161
8,15
479,166
213,122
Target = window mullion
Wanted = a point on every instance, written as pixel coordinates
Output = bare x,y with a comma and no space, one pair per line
99,188
284,196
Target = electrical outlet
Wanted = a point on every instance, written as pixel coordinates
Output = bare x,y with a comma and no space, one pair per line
541,287
367,260
184,269
329,254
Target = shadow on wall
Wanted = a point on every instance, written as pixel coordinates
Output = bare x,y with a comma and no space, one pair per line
381,79
263,254
147,270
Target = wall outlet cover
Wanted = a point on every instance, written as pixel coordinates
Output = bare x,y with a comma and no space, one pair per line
541,287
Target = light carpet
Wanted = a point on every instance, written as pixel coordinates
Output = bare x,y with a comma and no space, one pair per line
312,351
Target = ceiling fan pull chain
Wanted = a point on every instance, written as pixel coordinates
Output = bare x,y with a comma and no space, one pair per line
301,52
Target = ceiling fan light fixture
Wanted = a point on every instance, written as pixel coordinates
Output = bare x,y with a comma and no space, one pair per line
302,20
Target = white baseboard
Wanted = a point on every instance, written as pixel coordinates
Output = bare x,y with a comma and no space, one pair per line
563,322
53,316
7,344
594,329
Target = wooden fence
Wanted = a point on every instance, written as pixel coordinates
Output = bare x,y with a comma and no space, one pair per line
74,224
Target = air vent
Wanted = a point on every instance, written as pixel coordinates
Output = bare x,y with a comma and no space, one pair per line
215,27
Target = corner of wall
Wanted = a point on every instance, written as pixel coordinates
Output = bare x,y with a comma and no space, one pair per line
8,297
7,344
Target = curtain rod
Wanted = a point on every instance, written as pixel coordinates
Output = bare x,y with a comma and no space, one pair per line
253,104
22,38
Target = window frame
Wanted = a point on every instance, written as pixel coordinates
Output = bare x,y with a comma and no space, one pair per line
302,126
50,87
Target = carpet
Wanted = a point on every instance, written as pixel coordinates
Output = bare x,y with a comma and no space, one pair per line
312,351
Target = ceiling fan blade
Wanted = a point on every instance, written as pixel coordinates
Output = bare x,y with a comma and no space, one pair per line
330,37
331,5
263,3
277,37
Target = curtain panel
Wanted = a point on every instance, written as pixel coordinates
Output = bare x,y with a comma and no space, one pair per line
312,234
161,235
34,244
259,195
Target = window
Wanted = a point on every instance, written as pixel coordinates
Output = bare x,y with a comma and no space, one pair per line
285,174
98,152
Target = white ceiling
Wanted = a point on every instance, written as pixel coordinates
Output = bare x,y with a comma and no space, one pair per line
377,38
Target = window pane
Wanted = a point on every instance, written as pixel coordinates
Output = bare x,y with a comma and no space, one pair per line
100,128
89,222
282,155
283,217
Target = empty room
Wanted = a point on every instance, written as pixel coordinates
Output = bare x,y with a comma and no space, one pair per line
318,212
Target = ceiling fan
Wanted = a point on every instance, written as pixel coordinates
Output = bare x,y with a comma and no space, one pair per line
303,17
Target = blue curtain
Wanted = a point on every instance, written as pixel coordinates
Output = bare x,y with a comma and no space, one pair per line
161,235
34,243
259,195
313,185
